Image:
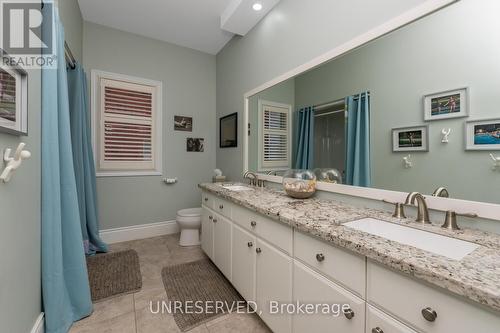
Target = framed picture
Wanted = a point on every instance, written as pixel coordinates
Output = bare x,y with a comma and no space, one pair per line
447,104
228,131
410,139
182,123
13,99
195,145
482,134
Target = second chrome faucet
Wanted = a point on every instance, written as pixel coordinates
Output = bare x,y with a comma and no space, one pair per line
422,210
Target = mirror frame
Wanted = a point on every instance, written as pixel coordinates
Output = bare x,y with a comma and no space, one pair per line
482,209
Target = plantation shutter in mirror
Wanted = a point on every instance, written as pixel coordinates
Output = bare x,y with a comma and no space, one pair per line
275,140
127,126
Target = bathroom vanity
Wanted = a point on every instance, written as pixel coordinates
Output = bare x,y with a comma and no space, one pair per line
275,248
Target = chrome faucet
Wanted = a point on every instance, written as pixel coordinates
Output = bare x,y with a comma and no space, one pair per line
423,211
441,192
252,177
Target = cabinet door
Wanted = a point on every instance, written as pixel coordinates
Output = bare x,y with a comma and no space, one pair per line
243,262
379,322
222,244
273,285
311,288
207,233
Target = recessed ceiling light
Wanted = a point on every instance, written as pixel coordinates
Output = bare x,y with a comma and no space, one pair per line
257,6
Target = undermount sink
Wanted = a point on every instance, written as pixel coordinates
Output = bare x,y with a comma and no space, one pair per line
237,188
452,248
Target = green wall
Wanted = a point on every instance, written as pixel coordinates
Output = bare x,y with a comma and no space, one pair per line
440,52
280,93
188,78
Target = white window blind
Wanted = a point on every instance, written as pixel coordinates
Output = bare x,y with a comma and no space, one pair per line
128,128
275,145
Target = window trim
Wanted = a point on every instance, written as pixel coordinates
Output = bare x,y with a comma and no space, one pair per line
95,102
260,163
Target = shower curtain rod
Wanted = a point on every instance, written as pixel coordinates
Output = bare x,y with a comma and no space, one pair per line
330,104
70,59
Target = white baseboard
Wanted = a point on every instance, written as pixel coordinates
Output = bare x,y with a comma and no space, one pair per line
38,327
124,234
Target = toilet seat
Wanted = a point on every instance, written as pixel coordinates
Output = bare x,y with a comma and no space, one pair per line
189,212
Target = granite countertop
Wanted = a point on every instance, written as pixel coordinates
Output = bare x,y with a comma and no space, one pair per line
476,277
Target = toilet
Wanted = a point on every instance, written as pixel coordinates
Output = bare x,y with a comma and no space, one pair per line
189,221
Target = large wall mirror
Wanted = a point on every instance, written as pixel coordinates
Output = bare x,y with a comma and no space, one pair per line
414,110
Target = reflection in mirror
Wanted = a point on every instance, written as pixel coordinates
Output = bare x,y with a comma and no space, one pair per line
415,110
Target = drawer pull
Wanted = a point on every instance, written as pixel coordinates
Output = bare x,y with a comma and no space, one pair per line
429,314
253,224
210,217
221,207
258,250
377,330
349,314
206,199
215,220
320,257
250,244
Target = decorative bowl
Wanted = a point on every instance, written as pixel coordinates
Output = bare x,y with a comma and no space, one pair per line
299,184
332,175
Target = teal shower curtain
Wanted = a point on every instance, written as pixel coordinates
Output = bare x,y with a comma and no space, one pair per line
304,156
65,286
83,160
358,169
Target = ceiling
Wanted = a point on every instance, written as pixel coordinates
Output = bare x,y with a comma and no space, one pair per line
190,23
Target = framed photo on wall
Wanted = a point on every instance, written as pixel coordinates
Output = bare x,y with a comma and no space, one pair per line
413,139
447,104
195,145
228,131
13,99
482,134
182,123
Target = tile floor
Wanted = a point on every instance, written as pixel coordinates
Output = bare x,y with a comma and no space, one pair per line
131,313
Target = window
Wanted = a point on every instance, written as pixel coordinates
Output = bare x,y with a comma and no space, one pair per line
127,125
274,135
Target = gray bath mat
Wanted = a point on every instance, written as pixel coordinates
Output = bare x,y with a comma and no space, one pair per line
198,281
113,274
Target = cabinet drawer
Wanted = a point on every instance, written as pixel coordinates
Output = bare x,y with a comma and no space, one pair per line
275,232
311,288
223,207
207,200
406,297
342,266
379,322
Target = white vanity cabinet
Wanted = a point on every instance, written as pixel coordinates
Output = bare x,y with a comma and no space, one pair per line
216,239
311,288
273,283
243,262
268,261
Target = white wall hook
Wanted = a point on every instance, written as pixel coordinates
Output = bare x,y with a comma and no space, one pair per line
496,160
407,163
13,162
446,133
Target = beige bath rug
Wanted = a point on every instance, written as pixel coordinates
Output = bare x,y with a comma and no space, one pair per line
198,281
113,274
